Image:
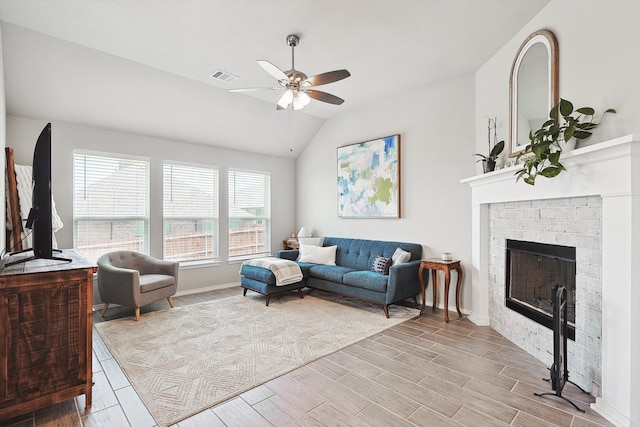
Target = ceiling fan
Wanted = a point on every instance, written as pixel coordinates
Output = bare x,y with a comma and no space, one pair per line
299,87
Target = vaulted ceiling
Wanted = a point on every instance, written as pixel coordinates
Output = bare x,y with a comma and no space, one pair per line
144,66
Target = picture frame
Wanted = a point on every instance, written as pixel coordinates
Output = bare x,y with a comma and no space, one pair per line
369,178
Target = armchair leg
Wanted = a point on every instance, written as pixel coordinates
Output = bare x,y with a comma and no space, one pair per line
170,301
104,309
137,314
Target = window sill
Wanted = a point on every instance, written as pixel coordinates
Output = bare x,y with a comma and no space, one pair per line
189,265
240,260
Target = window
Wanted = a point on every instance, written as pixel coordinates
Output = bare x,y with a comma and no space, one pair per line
249,213
110,204
190,203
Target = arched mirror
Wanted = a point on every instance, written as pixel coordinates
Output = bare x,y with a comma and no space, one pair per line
533,87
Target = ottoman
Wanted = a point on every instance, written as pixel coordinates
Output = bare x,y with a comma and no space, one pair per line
263,281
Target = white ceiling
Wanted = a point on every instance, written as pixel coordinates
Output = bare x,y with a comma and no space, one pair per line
143,66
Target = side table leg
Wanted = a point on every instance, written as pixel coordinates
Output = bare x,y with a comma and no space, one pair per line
434,280
458,286
447,282
423,287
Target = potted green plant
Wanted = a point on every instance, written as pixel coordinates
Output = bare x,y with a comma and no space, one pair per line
489,161
542,155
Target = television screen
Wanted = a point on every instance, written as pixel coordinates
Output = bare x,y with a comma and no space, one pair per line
40,215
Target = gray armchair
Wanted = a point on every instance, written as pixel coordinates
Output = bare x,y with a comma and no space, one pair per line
133,279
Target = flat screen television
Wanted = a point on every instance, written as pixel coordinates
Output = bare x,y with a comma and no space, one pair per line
39,220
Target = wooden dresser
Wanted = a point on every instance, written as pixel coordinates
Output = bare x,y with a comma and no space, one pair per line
45,332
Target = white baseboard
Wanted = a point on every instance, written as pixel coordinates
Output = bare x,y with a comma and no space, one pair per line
207,289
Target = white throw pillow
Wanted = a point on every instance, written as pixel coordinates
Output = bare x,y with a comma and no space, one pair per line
318,254
400,256
311,241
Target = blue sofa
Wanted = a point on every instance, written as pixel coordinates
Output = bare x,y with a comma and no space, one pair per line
351,276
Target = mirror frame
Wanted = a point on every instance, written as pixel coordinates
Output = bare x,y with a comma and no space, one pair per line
549,41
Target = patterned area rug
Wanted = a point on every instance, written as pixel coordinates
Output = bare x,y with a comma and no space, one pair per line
182,361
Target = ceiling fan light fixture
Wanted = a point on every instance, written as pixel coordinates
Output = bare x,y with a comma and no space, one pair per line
285,100
305,98
300,100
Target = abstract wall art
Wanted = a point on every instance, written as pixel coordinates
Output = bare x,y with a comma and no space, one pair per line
369,179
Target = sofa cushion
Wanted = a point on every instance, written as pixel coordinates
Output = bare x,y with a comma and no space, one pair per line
318,254
400,256
367,280
381,264
260,274
333,273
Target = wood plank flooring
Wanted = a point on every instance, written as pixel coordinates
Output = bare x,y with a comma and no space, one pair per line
423,372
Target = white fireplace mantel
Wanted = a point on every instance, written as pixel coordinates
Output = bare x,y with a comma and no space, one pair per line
610,169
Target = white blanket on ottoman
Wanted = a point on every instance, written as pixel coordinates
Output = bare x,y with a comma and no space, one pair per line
286,271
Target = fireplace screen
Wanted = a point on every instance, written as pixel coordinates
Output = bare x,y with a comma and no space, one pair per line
533,270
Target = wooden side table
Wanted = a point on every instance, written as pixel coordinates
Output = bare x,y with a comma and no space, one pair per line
290,244
436,264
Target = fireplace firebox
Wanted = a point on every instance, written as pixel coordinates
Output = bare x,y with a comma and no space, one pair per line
532,271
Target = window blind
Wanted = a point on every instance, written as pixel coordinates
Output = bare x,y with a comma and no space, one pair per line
249,213
190,206
110,204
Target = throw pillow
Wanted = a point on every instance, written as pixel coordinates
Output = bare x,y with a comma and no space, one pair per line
400,256
381,264
313,241
318,254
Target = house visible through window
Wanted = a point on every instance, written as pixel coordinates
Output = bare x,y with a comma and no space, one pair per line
190,200
249,213
110,204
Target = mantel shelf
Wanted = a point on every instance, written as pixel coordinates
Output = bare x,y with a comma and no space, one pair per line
605,150
590,170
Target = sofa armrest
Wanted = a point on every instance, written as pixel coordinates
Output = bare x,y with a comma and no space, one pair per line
290,254
404,281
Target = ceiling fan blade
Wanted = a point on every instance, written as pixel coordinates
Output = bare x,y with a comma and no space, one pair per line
253,89
324,97
273,70
328,77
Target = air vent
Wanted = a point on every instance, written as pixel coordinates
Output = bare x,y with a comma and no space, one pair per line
224,76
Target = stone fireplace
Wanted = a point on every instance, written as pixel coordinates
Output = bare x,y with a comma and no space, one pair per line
562,224
594,207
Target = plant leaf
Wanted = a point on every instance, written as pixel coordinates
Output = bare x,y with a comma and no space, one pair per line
581,134
554,112
611,110
566,107
587,125
569,131
550,171
497,149
531,180
588,111
554,158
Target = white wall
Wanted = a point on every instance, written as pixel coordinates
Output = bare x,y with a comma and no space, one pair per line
436,127
22,134
597,65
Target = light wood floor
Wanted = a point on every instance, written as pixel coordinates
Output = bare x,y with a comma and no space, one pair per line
423,372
